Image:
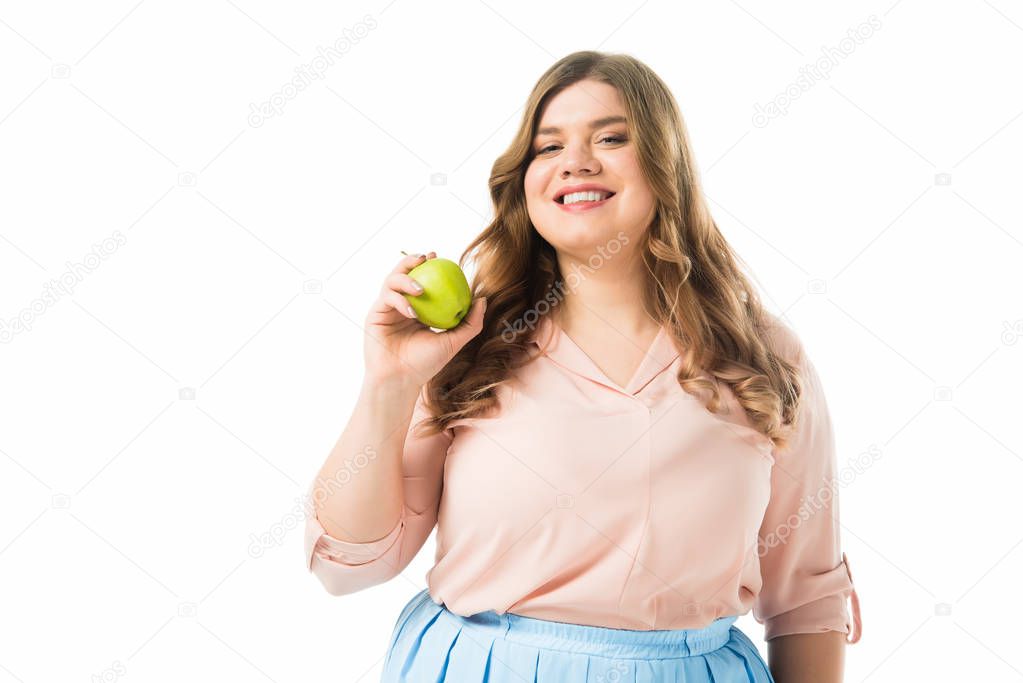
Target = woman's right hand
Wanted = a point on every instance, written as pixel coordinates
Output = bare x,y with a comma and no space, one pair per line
397,346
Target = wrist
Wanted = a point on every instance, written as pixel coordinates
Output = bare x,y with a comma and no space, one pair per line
398,388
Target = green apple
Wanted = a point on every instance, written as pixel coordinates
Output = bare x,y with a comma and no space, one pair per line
446,297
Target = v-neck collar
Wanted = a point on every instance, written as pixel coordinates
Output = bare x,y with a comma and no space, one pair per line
561,349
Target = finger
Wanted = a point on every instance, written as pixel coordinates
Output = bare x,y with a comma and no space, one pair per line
390,308
400,304
409,262
400,282
470,325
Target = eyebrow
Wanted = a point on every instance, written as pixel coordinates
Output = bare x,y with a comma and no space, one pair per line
606,121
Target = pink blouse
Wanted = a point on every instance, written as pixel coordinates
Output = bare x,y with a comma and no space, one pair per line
631,507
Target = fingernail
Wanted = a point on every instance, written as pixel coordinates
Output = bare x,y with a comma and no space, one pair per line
416,286
412,312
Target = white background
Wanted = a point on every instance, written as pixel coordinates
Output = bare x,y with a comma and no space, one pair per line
173,402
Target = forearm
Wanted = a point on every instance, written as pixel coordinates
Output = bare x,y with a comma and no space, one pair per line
358,493
807,657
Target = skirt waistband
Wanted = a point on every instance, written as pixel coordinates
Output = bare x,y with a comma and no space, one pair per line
600,640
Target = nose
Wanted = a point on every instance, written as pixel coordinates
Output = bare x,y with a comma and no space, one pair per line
579,160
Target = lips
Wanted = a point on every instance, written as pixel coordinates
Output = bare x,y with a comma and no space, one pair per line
580,207
560,199
584,187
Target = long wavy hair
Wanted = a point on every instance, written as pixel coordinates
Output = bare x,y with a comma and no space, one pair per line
694,285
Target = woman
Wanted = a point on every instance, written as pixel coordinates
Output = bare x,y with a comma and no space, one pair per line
621,450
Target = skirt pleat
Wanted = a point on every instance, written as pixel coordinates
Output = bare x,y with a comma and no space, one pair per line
570,666
471,654
509,663
398,642
756,667
404,661
430,644
724,666
432,655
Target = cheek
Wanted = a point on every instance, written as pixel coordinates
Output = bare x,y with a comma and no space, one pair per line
534,180
535,186
641,199
641,196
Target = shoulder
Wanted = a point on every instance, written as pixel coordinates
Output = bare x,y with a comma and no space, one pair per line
782,338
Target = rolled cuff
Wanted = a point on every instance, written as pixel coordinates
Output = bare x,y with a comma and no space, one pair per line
321,544
828,613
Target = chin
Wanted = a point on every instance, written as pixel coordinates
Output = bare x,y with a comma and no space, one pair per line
582,240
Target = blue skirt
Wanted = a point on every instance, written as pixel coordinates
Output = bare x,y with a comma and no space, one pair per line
431,643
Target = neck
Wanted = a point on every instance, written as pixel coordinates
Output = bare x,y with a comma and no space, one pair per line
604,292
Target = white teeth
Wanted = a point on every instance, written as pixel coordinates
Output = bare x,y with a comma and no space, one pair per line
585,197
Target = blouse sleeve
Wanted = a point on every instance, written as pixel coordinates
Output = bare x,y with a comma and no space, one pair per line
806,576
343,567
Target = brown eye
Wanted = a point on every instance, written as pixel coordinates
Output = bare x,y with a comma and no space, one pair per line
606,138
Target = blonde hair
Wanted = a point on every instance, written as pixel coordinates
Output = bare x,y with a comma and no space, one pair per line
695,286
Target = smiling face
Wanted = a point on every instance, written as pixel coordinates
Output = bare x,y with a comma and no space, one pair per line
583,139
